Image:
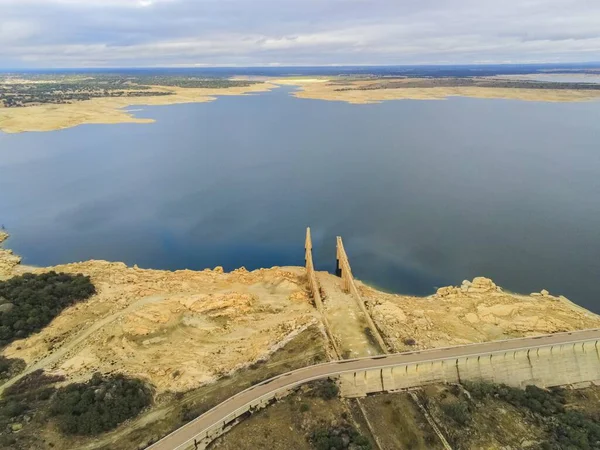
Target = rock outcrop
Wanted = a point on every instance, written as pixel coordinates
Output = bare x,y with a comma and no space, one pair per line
479,285
476,311
185,328
176,329
8,260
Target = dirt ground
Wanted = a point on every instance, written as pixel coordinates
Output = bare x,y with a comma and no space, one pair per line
289,423
177,330
398,423
347,321
172,410
491,424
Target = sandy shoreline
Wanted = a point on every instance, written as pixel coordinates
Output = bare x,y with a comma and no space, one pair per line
348,92
51,117
107,110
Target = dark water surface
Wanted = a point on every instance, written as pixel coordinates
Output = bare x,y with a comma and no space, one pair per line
425,193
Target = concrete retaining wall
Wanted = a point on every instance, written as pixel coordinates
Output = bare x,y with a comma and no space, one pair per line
544,367
218,429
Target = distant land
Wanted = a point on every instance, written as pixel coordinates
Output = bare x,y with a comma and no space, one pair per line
45,100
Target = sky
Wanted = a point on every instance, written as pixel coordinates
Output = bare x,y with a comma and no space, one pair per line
166,33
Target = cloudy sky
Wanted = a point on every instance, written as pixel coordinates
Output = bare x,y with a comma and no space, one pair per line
99,33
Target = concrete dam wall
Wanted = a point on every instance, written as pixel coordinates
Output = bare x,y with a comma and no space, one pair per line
543,366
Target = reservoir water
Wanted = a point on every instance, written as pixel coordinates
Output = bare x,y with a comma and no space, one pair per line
424,193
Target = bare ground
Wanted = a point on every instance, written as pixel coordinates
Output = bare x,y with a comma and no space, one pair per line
323,89
50,117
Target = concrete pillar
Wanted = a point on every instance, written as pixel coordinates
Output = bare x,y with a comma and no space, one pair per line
387,379
374,381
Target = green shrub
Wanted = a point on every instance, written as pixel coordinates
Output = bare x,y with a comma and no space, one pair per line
32,383
304,407
99,405
574,430
9,367
539,401
13,408
567,429
458,411
339,438
29,302
27,394
326,389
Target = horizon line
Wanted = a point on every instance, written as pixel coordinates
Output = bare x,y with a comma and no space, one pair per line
324,66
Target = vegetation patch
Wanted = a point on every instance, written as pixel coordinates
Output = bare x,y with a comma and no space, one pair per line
99,405
398,422
566,428
326,389
24,403
458,411
29,302
9,367
35,89
89,408
339,437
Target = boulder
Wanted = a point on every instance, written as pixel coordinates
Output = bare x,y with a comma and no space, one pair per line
6,307
482,284
447,291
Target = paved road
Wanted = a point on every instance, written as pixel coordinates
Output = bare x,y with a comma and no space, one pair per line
184,437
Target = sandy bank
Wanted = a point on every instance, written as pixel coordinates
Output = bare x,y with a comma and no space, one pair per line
108,110
348,92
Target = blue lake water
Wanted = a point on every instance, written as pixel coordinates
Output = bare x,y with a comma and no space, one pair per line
424,193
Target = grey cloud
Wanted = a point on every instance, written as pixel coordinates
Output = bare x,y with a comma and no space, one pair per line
71,33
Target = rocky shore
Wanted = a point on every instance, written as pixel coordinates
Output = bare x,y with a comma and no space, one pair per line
182,329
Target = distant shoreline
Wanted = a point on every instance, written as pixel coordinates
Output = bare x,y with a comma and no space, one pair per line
360,91
113,110
109,110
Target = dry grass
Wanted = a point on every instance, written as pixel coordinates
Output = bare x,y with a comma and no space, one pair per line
323,90
108,110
